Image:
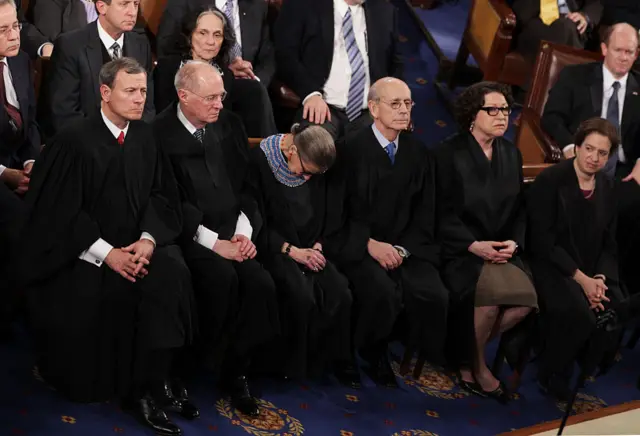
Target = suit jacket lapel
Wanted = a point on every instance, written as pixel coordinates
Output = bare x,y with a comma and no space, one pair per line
327,23
596,89
630,108
248,29
371,38
93,51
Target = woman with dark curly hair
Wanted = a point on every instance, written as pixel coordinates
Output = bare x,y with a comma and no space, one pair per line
482,230
207,36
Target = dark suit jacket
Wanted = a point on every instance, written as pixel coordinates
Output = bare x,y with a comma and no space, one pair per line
621,11
527,10
254,28
304,43
577,96
163,80
53,17
14,151
72,89
30,36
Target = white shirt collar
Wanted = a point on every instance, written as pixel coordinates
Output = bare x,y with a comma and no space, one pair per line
608,79
4,61
185,122
381,139
341,7
115,130
107,40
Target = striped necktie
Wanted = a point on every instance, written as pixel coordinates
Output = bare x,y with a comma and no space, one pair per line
613,116
199,134
115,50
355,99
235,51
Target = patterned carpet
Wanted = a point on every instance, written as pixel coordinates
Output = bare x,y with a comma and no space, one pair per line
432,405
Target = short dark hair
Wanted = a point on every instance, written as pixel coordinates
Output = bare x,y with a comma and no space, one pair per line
600,126
110,70
189,24
315,145
470,101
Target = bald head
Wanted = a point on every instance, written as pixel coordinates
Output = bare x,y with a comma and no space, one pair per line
620,49
390,105
385,86
200,92
195,74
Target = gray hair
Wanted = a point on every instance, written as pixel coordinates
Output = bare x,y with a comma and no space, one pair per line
9,2
110,70
315,145
188,74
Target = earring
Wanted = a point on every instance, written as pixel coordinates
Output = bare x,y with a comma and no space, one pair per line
471,126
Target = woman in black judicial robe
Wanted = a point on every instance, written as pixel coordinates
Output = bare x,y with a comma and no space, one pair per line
572,215
90,324
482,230
206,36
315,302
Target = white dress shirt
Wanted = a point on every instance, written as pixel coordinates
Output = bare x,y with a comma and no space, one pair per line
99,250
12,99
235,16
108,41
204,236
384,141
607,92
336,88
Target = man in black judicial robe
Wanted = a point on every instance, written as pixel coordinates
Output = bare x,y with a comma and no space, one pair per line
386,246
236,297
109,296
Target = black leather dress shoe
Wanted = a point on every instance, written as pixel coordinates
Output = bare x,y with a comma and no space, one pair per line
381,373
348,375
188,409
148,413
241,399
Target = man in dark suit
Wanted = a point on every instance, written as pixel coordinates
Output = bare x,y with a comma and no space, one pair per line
19,143
253,57
318,41
72,87
54,17
621,11
567,22
34,42
609,90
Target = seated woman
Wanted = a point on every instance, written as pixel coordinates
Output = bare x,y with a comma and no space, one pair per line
482,229
572,216
315,302
207,36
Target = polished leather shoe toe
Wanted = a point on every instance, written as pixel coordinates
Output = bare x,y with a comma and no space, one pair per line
188,410
241,398
149,414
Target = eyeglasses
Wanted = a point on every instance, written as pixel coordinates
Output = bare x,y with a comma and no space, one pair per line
5,30
396,104
210,99
493,111
304,170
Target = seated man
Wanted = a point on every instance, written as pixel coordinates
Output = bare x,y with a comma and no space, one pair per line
330,51
386,244
71,88
109,296
567,22
19,142
236,297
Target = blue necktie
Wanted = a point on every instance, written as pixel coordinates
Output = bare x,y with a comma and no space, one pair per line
614,118
358,76
235,51
391,152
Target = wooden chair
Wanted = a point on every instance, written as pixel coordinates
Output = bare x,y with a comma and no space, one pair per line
487,37
537,148
151,13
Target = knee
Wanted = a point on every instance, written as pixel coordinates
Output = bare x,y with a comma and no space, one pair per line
489,312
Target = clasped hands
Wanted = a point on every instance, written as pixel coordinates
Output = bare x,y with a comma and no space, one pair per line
494,252
312,258
239,248
18,180
594,289
131,261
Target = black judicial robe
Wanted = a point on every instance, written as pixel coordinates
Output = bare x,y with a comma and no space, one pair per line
480,200
315,307
395,204
569,232
90,324
212,178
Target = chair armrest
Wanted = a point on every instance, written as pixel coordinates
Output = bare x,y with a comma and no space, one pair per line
531,171
254,142
283,95
535,145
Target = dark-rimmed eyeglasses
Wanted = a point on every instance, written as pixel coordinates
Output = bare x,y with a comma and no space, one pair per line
493,110
304,170
396,104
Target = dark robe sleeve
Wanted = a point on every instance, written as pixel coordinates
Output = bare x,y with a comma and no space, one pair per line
162,217
608,261
57,228
419,237
542,205
453,232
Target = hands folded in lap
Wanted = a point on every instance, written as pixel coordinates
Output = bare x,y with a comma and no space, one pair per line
130,261
494,252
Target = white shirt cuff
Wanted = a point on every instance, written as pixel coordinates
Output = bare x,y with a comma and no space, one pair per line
205,237
310,95
97,253
27,162
243,226
41,47
568,148
148,236
2,168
